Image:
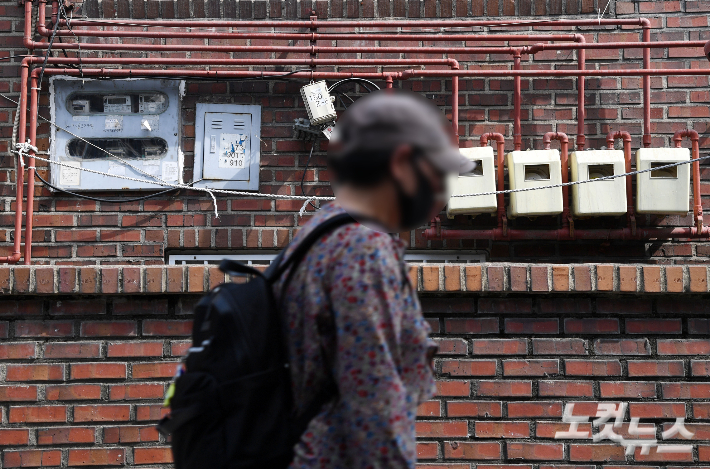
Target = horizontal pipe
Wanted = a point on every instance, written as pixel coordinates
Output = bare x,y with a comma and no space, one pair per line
224,62
554,73
216,74
334,23
564,235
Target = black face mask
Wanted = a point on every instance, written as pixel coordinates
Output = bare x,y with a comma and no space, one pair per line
414,209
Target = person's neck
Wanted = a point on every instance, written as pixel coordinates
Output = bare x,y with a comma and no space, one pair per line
377,203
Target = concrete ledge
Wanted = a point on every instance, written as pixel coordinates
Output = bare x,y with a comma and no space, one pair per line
429,278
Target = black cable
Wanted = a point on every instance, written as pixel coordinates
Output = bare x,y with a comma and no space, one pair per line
306,169
49,48
98,199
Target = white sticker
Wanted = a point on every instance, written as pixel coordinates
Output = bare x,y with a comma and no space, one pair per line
113,123
150,123
152,168
233,150
80,118
70,176
116,169
170,171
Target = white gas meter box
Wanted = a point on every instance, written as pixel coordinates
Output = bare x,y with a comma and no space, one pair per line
227,146
665,191
601,198
534,168
480,179
110,124
318,102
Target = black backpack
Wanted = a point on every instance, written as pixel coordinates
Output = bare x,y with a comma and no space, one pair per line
231,406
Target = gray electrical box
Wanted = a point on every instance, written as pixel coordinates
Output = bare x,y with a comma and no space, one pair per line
227,146
135,120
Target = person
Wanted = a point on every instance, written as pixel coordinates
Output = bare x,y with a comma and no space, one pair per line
352,316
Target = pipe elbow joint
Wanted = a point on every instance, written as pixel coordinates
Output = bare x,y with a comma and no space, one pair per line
579,38
645,22
454,64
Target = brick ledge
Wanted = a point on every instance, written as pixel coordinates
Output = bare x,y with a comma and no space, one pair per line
429,278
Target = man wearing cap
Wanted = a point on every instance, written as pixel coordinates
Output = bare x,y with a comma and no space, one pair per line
352,314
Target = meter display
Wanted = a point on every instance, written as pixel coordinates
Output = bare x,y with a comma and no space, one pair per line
120,104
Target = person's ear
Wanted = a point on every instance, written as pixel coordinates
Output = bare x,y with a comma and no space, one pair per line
402,170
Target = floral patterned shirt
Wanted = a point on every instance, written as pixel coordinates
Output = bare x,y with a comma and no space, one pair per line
352,286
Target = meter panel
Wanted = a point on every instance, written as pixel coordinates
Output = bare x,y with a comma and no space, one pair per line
135,120
227,146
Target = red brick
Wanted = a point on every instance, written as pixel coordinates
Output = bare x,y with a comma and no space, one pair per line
627,278
154,279
14,436
73,392
135,349
538,278
505,388
72,350
596,452
44,279
566,388
500,429
65,435
430,278
130,434
429,409
535,451
674,279
532,326
559,347
452,347
592,368
131,280
469,367
472,326
38,414
153,455
473,409
591,326
453,388
685,390
550,429
150,412
605,277
622,347
102,413
653,326
136,391
18,350
44,329
530,367
683,347
504,305
698,278
109,329
646,410
97,457
166,328
427,450
101,370
648,368
627,389
88,279
534,409
32,458
22,279
35,372
19,393
154,370
499,347
496,278
560,278
472,450
429,429
77,307
474,278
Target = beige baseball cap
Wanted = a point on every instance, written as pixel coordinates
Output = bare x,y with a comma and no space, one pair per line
388,118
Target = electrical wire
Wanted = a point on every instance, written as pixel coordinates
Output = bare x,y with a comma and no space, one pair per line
304,173
99,199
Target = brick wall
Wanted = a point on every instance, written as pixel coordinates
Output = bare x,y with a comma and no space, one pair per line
79,232
82,375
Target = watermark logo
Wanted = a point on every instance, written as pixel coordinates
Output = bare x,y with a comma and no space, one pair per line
643,435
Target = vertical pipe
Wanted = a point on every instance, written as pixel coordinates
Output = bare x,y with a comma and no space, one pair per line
697,201
455,104
34,93
20,171
517,132
500,184
564,150
581,111
630,215
646,84
389,80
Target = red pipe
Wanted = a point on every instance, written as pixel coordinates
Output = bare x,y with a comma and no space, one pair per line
29,210
556,73
646,85
610,138
564,235
697,202
455,103
567,222
517,132
581,109
19,173
500,185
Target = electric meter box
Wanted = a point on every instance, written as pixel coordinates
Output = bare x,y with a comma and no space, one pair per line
665,191
111,115
534,168
600,198
319,103
227,146
480,179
